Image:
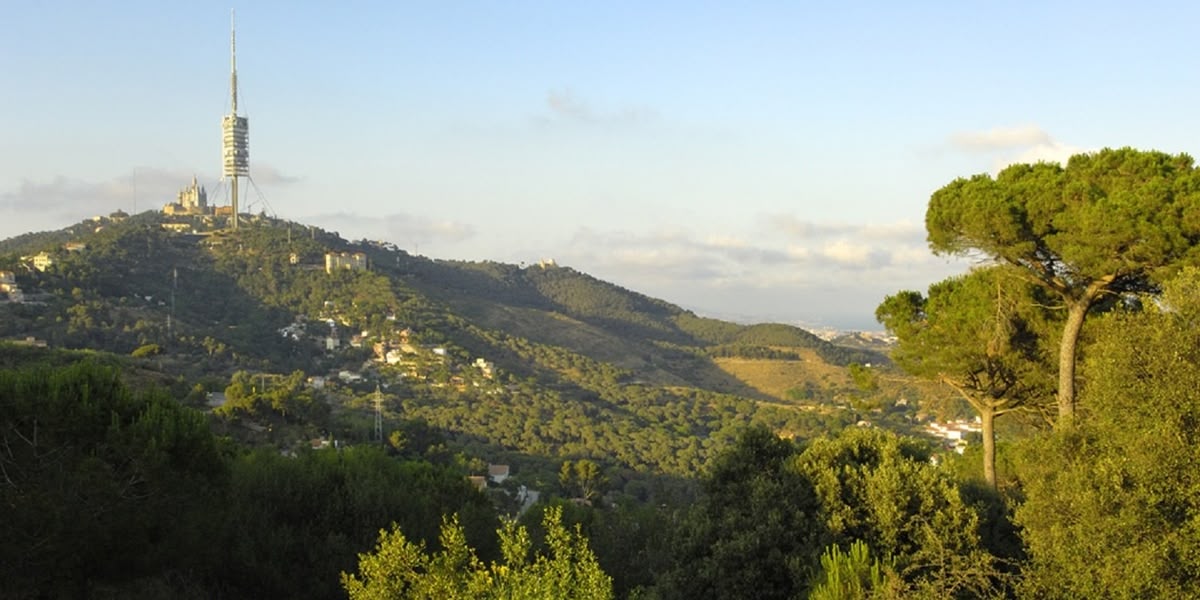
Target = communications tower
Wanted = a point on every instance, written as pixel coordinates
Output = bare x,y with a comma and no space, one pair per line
235,131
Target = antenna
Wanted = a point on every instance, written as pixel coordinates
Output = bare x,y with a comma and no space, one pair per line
235,147
232,61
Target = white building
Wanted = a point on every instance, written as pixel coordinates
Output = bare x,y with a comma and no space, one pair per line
42,261
345,260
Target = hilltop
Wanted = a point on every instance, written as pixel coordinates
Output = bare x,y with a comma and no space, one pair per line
541,361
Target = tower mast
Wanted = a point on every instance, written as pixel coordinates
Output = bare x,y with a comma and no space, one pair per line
235,151
232,62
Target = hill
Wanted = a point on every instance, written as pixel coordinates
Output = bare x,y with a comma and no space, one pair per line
533,363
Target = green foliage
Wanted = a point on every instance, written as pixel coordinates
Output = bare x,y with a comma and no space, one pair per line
581,478
852,575
146,350
770,509
750,351
1111,510
110,493
881,488
579,407
630,539
754,533
981,334
100,485
288,397
777,334
292,524
117,296
399,568
863,377
1112,221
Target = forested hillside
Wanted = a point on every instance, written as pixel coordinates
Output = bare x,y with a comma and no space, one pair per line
537,363
276,412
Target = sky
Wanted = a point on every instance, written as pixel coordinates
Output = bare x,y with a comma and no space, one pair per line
752,161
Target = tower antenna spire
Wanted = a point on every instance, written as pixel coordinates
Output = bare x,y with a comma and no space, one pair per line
235,131
233,61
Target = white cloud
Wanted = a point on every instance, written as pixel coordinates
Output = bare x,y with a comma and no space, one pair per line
807,252
1001,138
149,187
1049,152
56,202
836,275
1013,145
898,231
847,253
403,229
725,241
269,175
566,106
795,227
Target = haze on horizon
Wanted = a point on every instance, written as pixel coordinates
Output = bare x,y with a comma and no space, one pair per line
765,162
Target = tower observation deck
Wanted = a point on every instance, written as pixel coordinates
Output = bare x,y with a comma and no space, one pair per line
235,132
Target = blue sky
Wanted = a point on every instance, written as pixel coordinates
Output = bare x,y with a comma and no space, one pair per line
764,161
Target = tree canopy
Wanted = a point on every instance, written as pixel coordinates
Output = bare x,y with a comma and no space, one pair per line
772,509
1117,514
97,483
978,334
1109,222
399,568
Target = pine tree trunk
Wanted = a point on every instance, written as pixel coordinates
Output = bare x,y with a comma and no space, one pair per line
988,417
1076,311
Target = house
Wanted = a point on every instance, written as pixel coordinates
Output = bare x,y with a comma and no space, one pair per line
479,481
42,261
74,246
344,260
8,285
497,473
316,382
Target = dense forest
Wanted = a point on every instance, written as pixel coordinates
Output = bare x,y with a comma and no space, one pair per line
221,414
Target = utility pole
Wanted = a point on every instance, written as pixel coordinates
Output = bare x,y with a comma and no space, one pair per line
378,415
171,316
